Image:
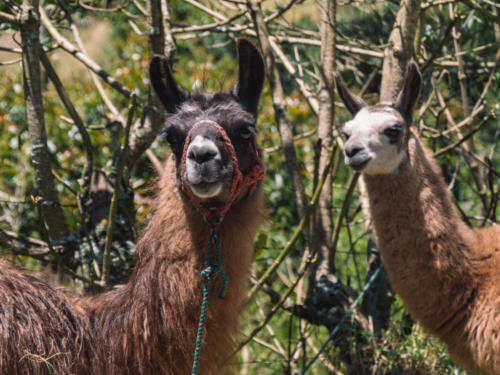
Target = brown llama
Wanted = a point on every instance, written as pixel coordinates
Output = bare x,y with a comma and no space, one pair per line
149,325
447,274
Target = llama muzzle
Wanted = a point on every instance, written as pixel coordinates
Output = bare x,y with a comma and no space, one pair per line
197,184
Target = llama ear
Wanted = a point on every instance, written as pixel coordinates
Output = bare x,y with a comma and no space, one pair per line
250,75
352,102
164,83
407,98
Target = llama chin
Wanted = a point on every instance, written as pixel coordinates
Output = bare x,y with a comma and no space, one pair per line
206,190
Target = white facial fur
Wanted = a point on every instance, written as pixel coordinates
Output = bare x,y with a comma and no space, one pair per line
365,131
202,186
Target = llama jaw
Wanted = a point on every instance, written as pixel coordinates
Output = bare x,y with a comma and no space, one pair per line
206,190
356,164
204,172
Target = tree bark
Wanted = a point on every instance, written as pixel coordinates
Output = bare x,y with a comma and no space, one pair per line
399,49
169,47
323,222
48,198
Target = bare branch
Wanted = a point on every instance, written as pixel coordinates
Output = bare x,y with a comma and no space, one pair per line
9,18
296,234
296,138
160,41
477,172
105,10
474,5
87,61
77,120
106,264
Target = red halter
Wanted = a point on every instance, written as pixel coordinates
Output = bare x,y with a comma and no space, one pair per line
239,181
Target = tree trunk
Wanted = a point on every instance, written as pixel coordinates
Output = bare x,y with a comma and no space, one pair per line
323,219
48,199
399,49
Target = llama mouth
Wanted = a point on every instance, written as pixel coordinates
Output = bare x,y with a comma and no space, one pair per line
206,190
359,165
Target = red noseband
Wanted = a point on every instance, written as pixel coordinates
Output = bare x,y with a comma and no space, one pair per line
239,181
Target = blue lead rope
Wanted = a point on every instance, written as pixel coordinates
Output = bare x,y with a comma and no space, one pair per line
213,268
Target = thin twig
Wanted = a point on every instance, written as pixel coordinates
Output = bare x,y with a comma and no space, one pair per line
340,218
77,120
296,234
87,61
106,264
474,5
275,308
466,136
105,10
296,138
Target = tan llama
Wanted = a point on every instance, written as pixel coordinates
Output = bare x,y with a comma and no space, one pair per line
447,274
149,325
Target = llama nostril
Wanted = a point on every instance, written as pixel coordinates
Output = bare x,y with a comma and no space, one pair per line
351,151
201,154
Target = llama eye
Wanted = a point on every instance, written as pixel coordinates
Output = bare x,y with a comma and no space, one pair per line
393,132
245,135
248,131
345,135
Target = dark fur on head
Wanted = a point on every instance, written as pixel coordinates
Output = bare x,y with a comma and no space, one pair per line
234,110
221,108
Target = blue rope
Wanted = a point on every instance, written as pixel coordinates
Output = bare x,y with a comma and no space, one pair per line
213,268
374,250
377,293
339,324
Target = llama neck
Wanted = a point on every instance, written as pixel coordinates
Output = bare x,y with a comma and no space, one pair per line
153,319
425,247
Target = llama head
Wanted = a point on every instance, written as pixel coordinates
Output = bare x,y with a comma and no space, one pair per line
377,135
205,164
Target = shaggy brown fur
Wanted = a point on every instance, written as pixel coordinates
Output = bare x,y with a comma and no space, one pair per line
447,274
41,332
149,325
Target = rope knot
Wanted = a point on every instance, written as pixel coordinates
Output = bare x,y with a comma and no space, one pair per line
211,271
